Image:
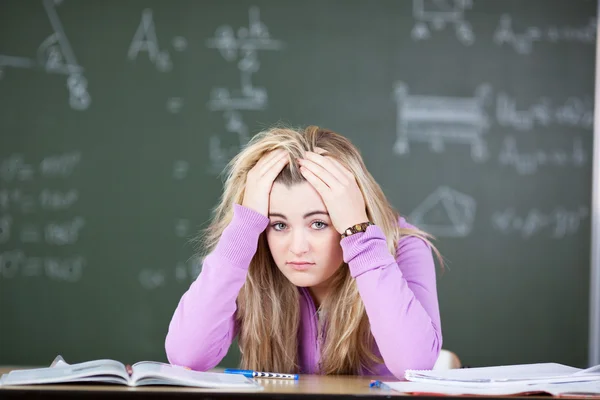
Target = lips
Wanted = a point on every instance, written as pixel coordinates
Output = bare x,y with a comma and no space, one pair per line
300,265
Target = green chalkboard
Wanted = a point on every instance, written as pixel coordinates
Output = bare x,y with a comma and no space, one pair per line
117,117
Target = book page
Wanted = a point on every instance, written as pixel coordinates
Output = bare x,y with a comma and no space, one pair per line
495,374
556,389
98,370
152,373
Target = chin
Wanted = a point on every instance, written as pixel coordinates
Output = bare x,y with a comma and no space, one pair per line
302,281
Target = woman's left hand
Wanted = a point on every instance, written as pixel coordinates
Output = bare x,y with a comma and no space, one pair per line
338,189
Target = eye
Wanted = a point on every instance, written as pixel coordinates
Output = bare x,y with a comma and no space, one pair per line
278,226
319,225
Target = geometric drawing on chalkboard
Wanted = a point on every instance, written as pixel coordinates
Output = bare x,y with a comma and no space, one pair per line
445,212
439,119
55,55
438,13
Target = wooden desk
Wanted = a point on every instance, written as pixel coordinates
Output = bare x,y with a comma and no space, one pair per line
307,387
312,386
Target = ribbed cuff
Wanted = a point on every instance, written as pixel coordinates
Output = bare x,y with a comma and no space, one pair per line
366,251
239,240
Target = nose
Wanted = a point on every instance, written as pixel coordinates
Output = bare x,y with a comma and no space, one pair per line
299,244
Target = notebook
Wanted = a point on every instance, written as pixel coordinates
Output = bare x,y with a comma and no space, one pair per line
115,372
589,389
520,373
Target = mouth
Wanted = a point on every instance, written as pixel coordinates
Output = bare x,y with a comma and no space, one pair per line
300,265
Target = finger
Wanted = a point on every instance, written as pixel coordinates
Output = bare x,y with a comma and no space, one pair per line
275,169
326,164
267,157
345,171
320,151
314,180
273,161
320,172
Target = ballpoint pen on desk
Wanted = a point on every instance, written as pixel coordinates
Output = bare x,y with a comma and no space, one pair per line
256,374
378,384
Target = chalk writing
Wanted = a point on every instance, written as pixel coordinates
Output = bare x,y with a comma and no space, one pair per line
145,39
529,162
559,222
15,263
438,14
574,112
523,42
64,233
61,165
242,47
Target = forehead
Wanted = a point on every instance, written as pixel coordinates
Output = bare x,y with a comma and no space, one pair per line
295,200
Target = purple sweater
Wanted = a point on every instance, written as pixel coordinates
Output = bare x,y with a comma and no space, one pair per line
399,294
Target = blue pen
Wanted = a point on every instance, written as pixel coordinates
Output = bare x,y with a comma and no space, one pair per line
255,374
378,384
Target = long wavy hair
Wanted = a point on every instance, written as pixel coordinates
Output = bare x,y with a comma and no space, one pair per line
268,306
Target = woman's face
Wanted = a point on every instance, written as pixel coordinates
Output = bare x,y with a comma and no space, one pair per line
302,239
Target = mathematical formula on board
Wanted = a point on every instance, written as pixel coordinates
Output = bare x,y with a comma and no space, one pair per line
439,123
450,119
36,218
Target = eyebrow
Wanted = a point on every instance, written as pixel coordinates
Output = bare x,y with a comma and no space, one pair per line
309,214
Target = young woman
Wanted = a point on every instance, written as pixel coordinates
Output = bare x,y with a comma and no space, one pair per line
310,267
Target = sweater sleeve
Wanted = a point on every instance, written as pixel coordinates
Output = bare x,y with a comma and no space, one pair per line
203,325
400,298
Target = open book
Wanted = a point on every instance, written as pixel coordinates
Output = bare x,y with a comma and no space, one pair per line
111,371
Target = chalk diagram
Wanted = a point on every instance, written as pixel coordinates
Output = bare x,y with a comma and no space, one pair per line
242,46
445,212
438,14
439,119
55,56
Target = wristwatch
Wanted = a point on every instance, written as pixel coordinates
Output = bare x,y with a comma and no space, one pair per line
356,228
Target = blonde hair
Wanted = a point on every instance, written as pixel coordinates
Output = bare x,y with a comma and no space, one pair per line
268,313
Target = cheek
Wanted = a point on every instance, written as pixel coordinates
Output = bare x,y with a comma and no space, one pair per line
276,247
331,252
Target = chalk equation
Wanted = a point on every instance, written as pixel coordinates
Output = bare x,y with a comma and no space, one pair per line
15,168
241,46
523,41
436,14
528,162
55,56
184,272
47,200
58,233
445,212
16,264
437,120
559,222
573,112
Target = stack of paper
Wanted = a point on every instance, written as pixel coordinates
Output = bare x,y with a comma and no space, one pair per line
550,378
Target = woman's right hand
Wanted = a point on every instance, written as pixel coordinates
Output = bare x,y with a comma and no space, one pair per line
259,180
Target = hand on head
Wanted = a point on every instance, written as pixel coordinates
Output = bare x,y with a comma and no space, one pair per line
337,187
259,180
